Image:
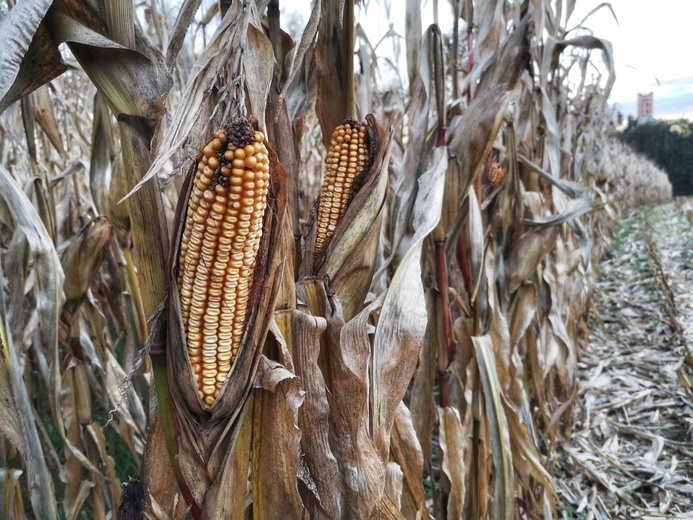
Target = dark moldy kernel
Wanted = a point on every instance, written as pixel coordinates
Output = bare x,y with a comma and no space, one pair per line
240,132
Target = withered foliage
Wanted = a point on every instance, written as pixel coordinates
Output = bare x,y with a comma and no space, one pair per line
422,362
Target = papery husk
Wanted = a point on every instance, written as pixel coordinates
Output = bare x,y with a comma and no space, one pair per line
470,139
347,352
276,442
320,477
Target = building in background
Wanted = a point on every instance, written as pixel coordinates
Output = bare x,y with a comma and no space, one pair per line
645,108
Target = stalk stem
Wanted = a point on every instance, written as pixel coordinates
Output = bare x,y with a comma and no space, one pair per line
136,291
349,20
442,281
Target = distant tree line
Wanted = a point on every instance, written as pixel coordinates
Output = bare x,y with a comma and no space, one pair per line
669,144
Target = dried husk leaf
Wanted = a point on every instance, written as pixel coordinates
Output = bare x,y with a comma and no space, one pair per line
522,312
333,52
226,496
402,322
347,350
302,333
422,399
134,81
530,249
276,448
30,58
49,294
393,484
44,115
406,452
82,259
503,493
512,59
471,137
453,442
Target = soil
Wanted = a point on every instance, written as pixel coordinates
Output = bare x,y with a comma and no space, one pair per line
631,452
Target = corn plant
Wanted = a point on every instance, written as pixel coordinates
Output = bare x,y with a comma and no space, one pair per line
268,286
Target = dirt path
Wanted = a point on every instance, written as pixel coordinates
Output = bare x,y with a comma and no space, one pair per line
631,455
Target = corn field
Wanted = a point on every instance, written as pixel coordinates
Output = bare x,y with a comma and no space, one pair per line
250,275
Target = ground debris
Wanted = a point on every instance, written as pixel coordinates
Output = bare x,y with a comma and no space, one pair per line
631,452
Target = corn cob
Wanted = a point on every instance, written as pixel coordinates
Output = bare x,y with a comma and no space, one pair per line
221,238
496,175
493,173
347,158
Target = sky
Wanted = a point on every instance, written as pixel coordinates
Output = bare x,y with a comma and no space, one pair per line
652,47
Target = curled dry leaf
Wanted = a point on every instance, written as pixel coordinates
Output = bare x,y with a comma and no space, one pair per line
525,256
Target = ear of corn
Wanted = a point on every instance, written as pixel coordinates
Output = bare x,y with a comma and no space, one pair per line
496,175
218,251
493,173
347,158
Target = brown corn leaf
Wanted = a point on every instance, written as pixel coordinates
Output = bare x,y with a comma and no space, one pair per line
101,154
503,493
302,333
393,484
226,496
134,81
453,444
510,61
422,400
416,154
475,237
402,322
30,57
413,40
82,259
530,249
49,295
471,137
347,351
276,451
406,452
45,116
387,510
522,312
334,56
553,49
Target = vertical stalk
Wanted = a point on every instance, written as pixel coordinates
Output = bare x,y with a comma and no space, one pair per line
349,28
136,291
455,58
442,281
149,229
275,34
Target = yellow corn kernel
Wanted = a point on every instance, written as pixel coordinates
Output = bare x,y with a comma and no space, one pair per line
347,158
218,251
496,175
